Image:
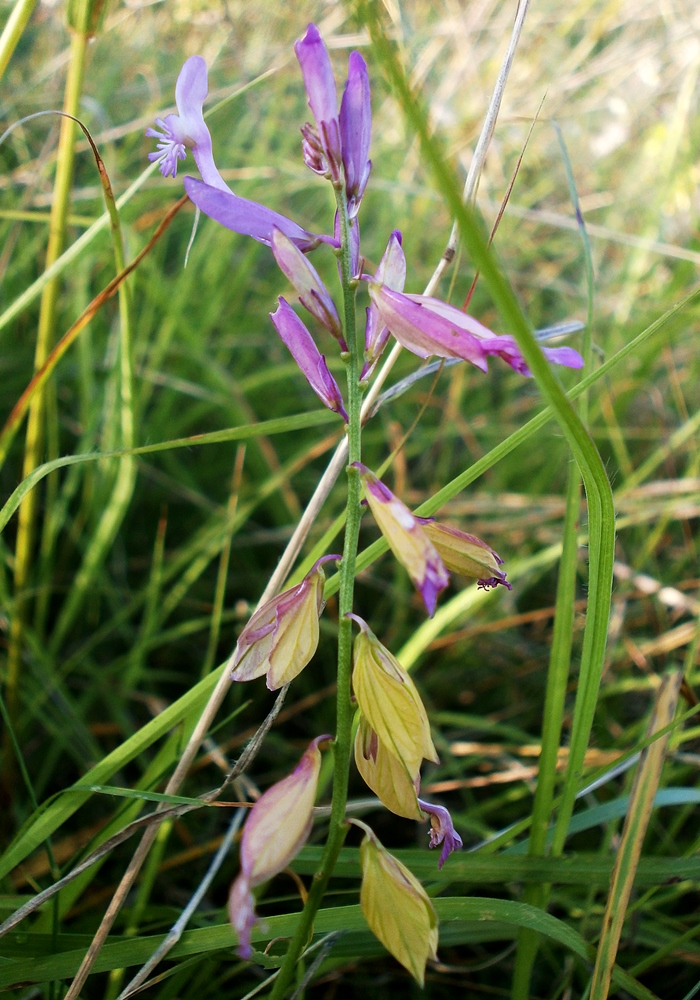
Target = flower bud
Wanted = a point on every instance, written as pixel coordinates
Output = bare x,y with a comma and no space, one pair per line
312,293
406,539
277,828
310,360
396,907
465,554
390,702
355,129
317,71
282,635
392,273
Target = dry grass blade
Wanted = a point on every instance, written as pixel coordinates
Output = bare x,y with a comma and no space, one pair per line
635,828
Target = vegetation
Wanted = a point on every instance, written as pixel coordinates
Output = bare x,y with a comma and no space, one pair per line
154,471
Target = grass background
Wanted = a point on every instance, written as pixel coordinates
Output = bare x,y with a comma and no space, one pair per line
620,79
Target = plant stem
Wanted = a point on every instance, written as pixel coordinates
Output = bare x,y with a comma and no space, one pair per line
13,30
344,712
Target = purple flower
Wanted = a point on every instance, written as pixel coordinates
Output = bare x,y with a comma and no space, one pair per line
282,635
406,539
187,130
307,356
248,217
322,144
426,326
442,830
277,828
422,330
355,131
460,325
391,272
313,294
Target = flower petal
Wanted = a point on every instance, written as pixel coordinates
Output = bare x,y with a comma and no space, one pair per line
277,828
396,906
390,701
313,294
356,130
247,217
280,821
241,913
304,351
442,830
187,129
385,774
504,346
282,635
465,554
424,332
392,273
317,71
406,539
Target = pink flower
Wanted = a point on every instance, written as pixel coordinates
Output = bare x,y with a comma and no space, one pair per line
322,151
442,830
426,327
282,635
277,828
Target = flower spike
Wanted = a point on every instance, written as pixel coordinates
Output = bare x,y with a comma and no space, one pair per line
304,351
187,129
282,635
277,828
406,539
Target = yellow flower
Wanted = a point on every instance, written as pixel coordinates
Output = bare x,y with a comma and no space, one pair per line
385,774
465,554
390,702
397,907
406,538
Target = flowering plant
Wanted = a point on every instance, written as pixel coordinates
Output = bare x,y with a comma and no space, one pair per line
393,734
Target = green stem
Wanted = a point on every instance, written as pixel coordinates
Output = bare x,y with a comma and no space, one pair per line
45,334
123,488
342,746
560,656
13,30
